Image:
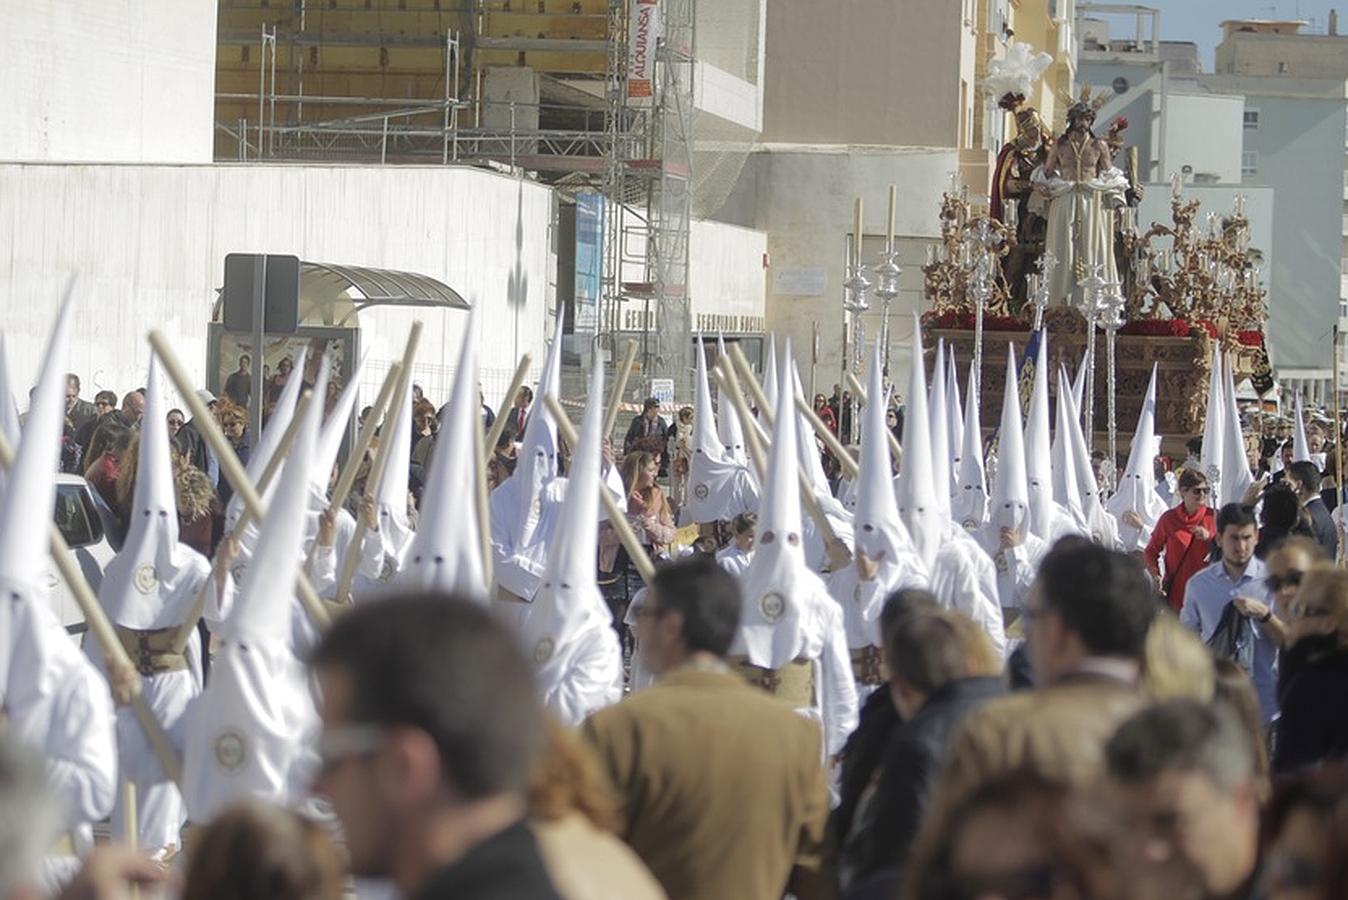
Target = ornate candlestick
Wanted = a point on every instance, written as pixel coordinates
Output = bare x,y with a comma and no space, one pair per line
1111,317
887,288
1092,293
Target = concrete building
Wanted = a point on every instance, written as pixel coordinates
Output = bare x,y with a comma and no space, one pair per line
1296,115
858,96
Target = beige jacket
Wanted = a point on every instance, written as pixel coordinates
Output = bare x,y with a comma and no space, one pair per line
589,864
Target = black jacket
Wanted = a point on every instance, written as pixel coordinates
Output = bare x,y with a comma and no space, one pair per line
506,866
887,824
1322,527
1313,696
862,755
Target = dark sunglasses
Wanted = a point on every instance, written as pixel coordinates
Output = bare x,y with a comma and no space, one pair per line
1291,579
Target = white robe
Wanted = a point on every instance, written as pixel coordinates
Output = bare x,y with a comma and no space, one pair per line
964,579
1017,567
733,559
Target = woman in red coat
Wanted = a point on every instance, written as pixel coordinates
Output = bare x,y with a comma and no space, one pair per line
1183,535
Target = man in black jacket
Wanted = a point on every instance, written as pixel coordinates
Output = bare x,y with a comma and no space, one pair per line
930,683
1305,480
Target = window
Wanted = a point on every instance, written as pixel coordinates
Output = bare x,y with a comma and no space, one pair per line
1282,68
1251,119
1249,163
76,517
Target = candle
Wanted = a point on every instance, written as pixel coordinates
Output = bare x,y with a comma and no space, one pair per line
889,229
931,254
1010,216
1240,204
856,235
1176,186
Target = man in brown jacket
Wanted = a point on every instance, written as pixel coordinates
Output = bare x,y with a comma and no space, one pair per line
1086,624
722,790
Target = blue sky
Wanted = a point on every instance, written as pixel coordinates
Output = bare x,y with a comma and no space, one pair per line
1199,20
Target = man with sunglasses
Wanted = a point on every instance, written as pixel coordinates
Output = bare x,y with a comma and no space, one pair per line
1238,581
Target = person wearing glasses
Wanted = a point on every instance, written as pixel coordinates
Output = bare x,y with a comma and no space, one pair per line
1313,672
1182,537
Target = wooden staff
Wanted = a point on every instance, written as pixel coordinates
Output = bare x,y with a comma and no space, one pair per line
620,385
347,477
246,518
393,414
849,465
115,655
894,446
617,518
230,465
499,424
807,497
483,507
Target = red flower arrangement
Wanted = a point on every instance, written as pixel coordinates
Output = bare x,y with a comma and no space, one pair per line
1158,327
1118,124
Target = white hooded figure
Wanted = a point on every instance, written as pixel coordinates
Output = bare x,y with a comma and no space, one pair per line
727,422
1213,433
148,592
1079,388
954,419
568,629
328,559
1049,520
1301,447
54,700
395,527
770,381
218,603
524,506
1237,477
1007,538
9,413
1066,492
719,488
788,618
1100,525
1136,505
446,553
253,730
808,452
969,503
884,559
941,452
961,574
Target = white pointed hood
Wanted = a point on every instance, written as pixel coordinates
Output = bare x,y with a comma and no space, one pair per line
30,494
727,420
394,527
956,417
1301,448
1137,492
1038,449
879,531
334,429
1213,434
1088,490
807,448
538,448
446,552
1236,475
969,503
253,728
1011,494
1079,388
718,487
9,412
1066,491
153,571
918,506
770,378
270,439
941,452
568,603
776,583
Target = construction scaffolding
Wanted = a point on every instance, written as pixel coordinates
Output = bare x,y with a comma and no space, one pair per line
549,96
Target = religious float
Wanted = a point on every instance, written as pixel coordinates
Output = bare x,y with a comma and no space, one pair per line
1058,247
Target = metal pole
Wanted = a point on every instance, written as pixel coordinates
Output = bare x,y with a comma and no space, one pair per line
1089,400
1112,467
261,87
383,143
444,148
